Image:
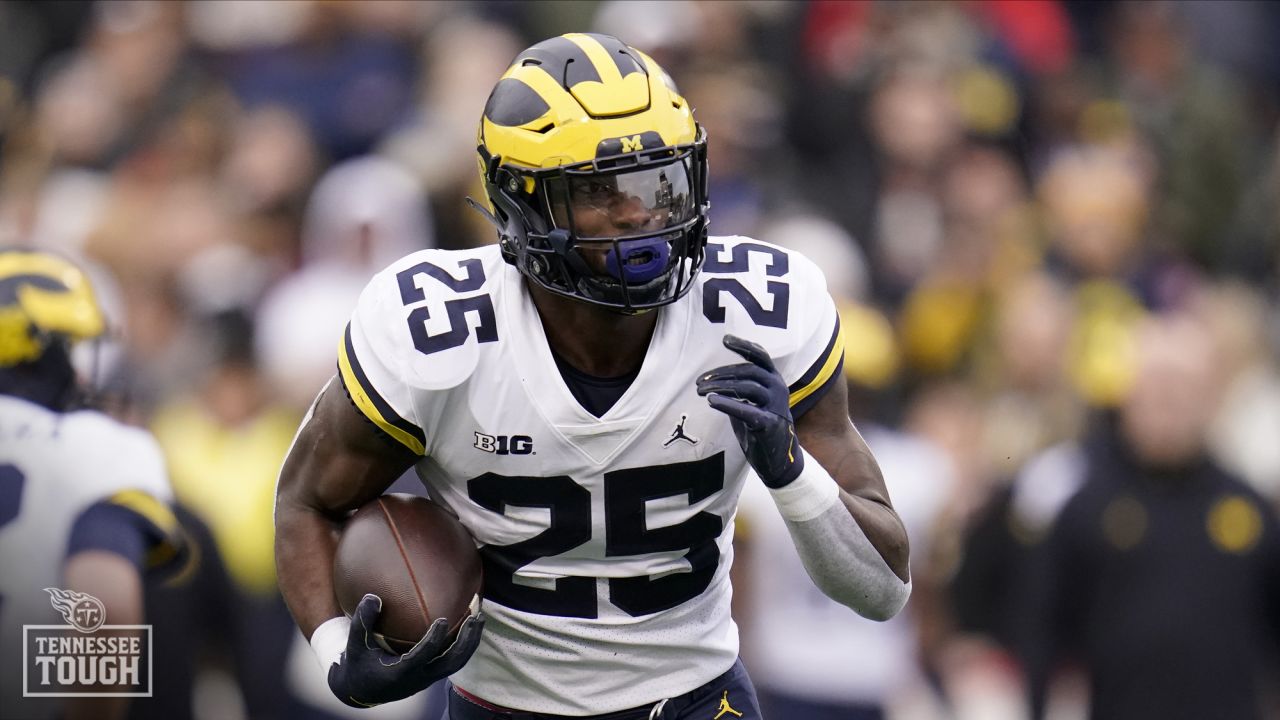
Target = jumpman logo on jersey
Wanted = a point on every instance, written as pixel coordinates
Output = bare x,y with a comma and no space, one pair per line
678,434
725,707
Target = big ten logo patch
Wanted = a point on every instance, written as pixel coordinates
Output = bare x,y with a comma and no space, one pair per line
85,657
505,444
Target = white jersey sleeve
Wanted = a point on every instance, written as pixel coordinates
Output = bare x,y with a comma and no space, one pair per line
122,458
778,298
414,334
54,467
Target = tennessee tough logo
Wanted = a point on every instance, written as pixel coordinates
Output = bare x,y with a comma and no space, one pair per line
82,611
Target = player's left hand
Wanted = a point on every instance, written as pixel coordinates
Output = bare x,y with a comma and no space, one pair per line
756,399
367,675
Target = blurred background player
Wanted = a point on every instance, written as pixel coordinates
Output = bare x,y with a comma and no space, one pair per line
83,498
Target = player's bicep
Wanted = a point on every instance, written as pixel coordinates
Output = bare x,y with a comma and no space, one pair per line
339,460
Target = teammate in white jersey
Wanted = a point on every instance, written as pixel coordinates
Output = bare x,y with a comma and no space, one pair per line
589,396
82,497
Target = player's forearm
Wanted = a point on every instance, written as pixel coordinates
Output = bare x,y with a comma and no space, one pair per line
884,530
834,547
117,583
844,455
305,544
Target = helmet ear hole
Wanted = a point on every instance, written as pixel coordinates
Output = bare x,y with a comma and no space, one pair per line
511,185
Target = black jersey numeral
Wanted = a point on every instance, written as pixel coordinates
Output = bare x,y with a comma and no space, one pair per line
739,262
456,309
569,505
626,533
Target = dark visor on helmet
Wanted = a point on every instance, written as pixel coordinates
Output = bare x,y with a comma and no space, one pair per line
625,236
605,207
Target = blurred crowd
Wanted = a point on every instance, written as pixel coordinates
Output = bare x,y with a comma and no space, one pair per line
1053,228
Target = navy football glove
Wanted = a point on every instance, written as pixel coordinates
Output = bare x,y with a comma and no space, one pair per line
368,675
755,398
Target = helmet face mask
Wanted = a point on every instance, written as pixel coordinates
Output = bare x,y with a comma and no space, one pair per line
625,232
599,194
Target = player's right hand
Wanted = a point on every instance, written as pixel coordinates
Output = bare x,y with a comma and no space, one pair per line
368,675
755,397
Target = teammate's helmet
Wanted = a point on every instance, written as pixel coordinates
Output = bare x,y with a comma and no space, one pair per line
46,303
596,173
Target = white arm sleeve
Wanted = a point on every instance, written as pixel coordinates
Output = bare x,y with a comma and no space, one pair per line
836,553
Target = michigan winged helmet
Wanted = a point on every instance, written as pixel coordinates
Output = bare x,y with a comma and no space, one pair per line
582,126
46,304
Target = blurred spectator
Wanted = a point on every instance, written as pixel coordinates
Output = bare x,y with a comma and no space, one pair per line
828,245
1160,575
1244,429
224,443
738,101
1030,403
915,125
364,214
1097,204
349,73
270,160
462,58
1192,113
986,243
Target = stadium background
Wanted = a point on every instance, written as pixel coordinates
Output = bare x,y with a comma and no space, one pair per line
999,193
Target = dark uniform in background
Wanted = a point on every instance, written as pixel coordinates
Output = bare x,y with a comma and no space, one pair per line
1162,584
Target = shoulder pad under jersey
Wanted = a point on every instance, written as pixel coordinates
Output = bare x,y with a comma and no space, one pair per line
116,456
421,321
775,297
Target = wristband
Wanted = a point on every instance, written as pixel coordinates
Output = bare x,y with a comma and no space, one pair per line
329,640
809,495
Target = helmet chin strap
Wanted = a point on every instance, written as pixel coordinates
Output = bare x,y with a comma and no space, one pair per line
562,243
484,211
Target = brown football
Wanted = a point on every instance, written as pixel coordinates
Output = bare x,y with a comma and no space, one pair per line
415,556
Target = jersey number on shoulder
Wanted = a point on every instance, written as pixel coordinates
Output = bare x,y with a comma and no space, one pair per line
11,482
739,262
568,505
456,308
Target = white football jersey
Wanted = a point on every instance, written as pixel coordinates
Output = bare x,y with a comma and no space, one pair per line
53,467
606,541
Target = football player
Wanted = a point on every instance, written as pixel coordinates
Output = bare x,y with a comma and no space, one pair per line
589,396
82,497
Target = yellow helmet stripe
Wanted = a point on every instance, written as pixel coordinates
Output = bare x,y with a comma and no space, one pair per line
599,56
73,311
